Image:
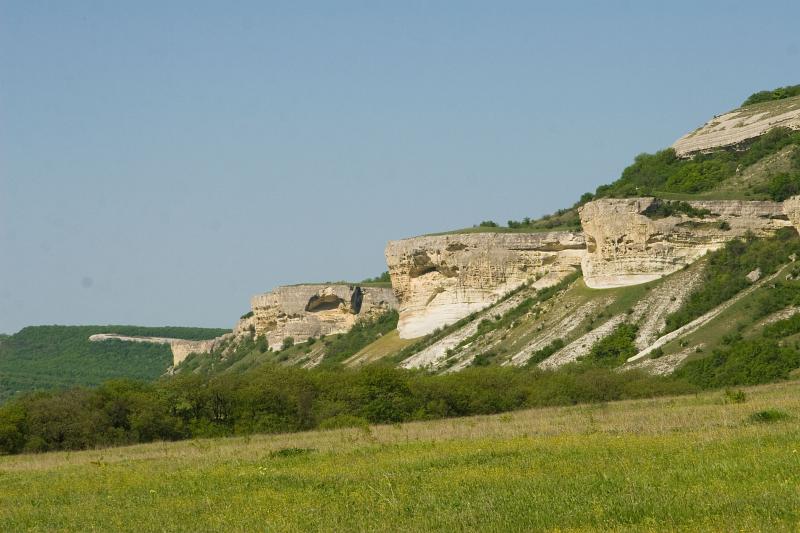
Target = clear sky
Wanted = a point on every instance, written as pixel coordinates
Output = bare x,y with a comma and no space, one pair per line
161,162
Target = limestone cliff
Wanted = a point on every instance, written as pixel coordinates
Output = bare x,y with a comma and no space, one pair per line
181,348
627,247
303,311
791,208
740,125
441,279
297,311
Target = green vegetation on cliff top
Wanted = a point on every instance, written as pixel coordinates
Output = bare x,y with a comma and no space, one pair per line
381,281
753,172
780,93
652,174
705,176
56,357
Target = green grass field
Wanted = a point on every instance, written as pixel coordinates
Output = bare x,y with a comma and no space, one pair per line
686,463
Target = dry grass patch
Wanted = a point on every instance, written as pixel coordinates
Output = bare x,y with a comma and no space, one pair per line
683,463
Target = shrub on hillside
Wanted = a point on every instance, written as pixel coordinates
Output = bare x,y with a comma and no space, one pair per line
662,209
776,94
725,272
747,362
272,399
614,349
665,172
287,343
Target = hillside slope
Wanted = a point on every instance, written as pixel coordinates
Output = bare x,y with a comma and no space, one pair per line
720,302
619,289
48,357
529,294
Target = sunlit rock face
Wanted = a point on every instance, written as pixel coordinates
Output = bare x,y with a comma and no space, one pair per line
441,279
625,246
740,125
791,208
303,311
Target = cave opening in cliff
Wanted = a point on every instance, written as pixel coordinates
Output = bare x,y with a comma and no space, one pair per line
356,299
326,302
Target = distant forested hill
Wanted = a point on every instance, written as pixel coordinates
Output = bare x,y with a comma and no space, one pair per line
49,357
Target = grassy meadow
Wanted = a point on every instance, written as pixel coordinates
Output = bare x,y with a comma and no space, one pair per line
705,462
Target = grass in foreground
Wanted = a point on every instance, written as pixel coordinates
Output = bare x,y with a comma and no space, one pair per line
685,463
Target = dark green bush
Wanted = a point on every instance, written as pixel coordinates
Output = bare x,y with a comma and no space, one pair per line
273,399
782,186
540,355
287,343
776,94
747,362
735,396
484,359
665,172
777,296
614,349
768,416
663,209
383,278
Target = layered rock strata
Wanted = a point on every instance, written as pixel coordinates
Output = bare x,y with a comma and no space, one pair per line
740,125
625,246
791,208
441,279
303,311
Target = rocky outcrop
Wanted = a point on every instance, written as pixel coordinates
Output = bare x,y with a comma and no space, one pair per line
625,246
740,125
791,208
297,311
181,348
441,279
303,311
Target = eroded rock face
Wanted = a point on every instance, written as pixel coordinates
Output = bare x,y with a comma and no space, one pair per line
626,247
303,311
441,279
740,125
791,208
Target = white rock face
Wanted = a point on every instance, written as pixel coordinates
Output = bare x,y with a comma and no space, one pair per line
626,247
298,311
740,125
791,208
754,276
303,311
441,279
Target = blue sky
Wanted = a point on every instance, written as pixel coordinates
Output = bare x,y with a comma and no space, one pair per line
161,162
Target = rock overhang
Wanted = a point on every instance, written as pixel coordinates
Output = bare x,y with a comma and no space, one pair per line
312,310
